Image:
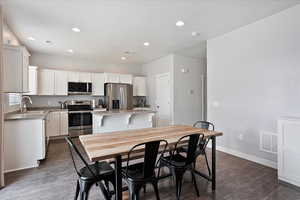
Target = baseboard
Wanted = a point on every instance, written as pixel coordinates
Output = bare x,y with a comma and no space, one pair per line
18,169
246,156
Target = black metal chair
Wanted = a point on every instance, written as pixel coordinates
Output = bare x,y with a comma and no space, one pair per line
202,144
137,175
90,174
179,164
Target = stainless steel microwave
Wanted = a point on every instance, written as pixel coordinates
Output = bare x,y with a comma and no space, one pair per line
79,88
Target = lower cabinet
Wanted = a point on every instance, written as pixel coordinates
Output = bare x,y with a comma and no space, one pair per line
57,124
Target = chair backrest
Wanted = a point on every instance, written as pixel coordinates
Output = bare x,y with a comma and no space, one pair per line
193,142
205,125
77,156
150,151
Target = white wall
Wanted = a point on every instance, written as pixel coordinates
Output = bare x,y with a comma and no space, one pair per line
159,66
253,78
186,108
188,89
74,63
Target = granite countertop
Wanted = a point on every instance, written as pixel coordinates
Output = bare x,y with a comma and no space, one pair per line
32,113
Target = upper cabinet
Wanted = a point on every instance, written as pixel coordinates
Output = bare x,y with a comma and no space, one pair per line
98,84
139,86
126,78
117,78
32,80
111,78
46,82
85,77
79,77
73,76
60,82
15,69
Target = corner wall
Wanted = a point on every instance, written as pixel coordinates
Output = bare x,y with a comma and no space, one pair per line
253,79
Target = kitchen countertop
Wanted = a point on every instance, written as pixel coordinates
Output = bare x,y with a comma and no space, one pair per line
116,112
32,113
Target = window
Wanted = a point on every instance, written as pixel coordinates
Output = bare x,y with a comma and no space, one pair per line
14,99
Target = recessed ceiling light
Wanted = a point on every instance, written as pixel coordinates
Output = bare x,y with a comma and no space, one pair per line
195,33
179,23
146,44
48,42
31,38
70,51
123,58
75,29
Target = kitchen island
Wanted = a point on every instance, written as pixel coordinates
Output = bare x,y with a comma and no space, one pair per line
109,121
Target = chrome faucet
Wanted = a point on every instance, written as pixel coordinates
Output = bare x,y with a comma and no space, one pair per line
23,106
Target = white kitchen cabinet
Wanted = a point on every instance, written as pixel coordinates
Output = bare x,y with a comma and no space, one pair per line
25,143
60,83
85,77
73,76
57,123
32,80
288,150
111,78
125,78
15,69
98,84
46,82
139,86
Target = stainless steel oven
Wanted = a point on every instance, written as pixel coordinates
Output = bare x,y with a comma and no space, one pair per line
80,117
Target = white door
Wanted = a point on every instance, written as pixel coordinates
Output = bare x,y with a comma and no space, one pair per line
73,76
85,77
61,83
98,84
163,97
126,78
46,82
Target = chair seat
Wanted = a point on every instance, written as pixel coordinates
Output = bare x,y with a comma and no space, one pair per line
135,171
100,169
176,160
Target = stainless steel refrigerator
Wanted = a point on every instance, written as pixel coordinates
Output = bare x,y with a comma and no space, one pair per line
118,96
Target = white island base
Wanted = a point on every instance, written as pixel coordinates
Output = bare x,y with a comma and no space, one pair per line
109,121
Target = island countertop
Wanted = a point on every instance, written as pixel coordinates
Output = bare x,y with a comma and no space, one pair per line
118,112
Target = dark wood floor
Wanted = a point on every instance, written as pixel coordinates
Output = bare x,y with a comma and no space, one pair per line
237,179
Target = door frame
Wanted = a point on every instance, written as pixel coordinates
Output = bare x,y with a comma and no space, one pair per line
171,94
1,105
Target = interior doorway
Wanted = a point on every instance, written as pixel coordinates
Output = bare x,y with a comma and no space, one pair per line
163,98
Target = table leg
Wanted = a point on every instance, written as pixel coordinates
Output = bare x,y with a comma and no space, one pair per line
118,168
213,166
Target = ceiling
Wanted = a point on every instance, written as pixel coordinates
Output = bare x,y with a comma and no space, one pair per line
111,27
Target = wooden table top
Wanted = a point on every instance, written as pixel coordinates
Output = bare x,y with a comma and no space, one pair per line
108,145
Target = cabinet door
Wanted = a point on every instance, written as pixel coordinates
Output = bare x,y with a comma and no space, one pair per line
126,78
32,79
25,73
53,124
112,78
139,86
61,83
98,84
46,82
64,123
85,77
73,76
12,69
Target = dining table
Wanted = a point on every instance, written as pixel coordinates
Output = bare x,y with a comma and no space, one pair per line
114,145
